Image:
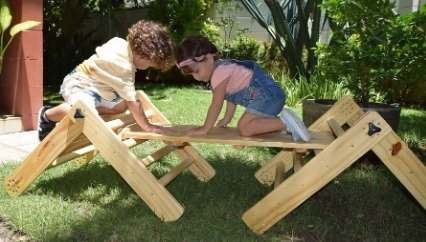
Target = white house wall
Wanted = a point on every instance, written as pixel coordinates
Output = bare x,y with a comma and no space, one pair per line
243,19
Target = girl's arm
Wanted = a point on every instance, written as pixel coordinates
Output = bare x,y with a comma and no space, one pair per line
214,109
139,115
229,113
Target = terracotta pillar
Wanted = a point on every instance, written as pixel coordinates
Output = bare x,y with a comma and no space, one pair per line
21,81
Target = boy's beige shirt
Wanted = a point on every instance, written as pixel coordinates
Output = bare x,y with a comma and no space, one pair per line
112,69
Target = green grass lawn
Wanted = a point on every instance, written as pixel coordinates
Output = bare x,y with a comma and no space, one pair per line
91,202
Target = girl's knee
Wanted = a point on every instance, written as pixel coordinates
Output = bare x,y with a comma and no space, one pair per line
244,131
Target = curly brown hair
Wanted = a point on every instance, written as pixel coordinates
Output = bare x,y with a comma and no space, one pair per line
151,41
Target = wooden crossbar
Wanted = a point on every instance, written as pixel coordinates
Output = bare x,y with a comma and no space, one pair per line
230,136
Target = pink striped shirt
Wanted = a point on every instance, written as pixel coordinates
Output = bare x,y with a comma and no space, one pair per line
240,77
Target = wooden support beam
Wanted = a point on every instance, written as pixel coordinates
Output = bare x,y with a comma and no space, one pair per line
297,161
333,160
266,174
279,174
344,111
88,149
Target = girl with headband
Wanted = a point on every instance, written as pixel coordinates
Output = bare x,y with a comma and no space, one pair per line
239,83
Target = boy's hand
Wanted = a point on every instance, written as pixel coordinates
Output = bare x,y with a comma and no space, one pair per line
154,128
222,123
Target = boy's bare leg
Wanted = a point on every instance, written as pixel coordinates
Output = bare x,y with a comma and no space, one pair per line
119,108
57,113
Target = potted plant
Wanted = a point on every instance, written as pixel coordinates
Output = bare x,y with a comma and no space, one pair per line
5,21
365,53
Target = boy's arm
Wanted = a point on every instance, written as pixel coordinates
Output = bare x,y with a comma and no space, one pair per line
214,109
139,115
229,113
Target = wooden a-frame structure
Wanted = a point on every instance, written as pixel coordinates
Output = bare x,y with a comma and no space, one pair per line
82,133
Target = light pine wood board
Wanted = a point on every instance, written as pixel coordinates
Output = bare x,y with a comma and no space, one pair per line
230,136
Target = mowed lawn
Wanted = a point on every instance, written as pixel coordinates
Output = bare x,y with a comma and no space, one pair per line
91,202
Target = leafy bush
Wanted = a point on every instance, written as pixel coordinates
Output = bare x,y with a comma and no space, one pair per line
297,90
183,18
372,46
241,47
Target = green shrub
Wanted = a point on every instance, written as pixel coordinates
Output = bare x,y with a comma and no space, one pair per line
183,18
241,47
370,47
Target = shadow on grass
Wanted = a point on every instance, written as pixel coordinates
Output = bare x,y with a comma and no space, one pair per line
365,202
212,209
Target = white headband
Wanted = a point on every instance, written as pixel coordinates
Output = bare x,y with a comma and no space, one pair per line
190,61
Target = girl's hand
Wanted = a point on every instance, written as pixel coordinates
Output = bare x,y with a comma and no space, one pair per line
197,131
222,123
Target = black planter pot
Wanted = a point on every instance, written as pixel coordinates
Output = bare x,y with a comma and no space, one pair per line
314,108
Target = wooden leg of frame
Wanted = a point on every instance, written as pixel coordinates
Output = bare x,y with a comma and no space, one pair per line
41,158
404,164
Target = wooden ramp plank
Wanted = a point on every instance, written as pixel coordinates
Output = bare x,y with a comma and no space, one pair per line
230,136
315,174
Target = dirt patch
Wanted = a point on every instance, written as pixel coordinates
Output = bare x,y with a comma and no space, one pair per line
8,234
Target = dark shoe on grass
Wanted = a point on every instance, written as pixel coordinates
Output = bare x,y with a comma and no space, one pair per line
44,125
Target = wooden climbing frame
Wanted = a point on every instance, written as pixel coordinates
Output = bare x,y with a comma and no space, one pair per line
82,133
336,148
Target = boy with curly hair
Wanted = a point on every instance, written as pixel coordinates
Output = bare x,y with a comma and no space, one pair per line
105,81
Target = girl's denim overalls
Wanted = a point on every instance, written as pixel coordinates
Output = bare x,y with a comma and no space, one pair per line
263,96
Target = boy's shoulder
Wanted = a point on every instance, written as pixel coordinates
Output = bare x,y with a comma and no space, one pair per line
116,41
113,46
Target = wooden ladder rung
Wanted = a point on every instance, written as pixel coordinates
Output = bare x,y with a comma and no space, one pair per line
297,161
90,148
173,173
335,127
279,174
149,159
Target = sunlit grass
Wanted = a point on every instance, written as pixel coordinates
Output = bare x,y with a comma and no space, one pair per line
91,202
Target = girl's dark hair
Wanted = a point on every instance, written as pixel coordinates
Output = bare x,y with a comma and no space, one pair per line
194,46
